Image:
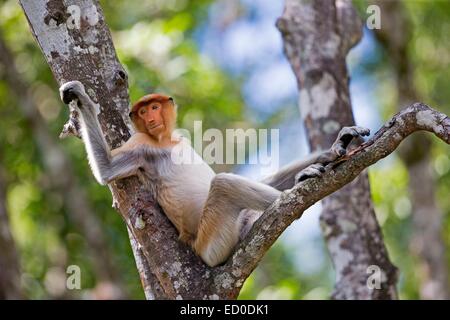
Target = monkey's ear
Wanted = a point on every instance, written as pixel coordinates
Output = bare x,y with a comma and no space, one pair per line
130,114
170,99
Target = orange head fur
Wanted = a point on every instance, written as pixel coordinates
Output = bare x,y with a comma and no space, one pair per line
154,114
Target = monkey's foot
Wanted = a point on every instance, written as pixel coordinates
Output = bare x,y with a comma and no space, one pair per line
345,136
313,170
247,218
72,90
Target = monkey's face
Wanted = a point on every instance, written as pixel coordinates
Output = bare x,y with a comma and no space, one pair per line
154,114
152,117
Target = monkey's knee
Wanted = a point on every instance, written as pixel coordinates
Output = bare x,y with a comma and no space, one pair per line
215,250
221,182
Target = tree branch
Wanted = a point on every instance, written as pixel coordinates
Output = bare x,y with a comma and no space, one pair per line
292,203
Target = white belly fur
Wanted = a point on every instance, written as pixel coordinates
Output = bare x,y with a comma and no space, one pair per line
183,192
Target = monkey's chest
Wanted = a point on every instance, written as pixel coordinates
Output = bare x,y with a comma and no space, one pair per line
182,195
181,188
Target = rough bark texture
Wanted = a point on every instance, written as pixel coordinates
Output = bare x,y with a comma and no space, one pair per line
427,242
62,178
317,37
9,265
168,268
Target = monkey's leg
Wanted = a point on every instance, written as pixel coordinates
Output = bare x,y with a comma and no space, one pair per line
285,177
314,164
219,226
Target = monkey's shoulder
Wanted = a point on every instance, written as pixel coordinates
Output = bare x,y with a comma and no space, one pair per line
142,143
136,140
139,139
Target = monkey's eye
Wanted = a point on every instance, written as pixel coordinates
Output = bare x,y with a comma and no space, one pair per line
155,107
142,111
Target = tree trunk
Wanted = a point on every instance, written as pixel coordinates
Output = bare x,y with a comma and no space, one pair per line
427,242
317,37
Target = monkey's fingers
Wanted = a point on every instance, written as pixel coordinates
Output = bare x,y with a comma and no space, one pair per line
339,148
68,96
70,91
346,135
314,170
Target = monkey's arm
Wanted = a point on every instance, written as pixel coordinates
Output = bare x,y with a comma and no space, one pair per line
105,167
136,140
315,164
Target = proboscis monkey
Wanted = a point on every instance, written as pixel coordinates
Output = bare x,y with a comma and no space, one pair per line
206,208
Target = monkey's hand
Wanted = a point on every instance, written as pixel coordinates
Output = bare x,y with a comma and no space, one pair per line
345,136
339,147
313,170
337,150
74,90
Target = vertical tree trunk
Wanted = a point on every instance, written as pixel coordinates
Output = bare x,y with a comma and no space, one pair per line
427,242
317,37
9,265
